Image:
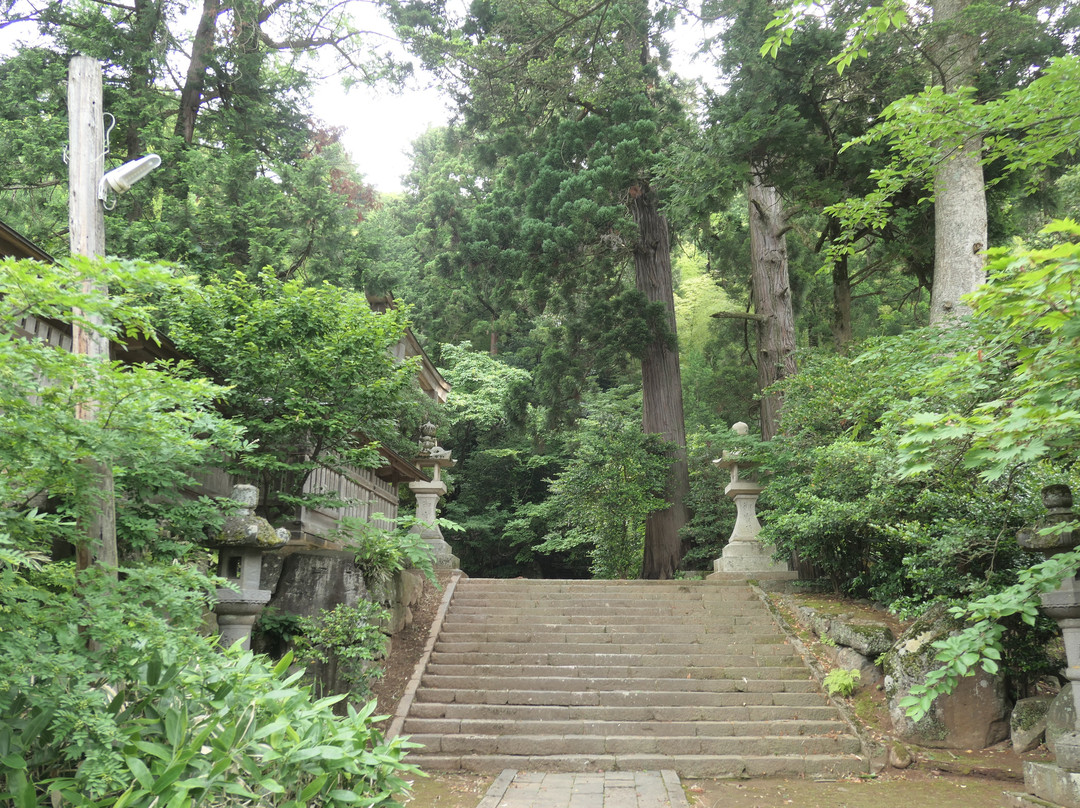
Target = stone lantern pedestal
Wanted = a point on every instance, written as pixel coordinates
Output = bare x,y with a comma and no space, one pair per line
745,554
428,494
1059,782
240,546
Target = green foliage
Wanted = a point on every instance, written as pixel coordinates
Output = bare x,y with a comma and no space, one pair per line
905,472
712,514
351,637
310,372
842,681
111,696
609,485
382,552
1031,302
154,425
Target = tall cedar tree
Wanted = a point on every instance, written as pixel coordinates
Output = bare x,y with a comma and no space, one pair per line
570,106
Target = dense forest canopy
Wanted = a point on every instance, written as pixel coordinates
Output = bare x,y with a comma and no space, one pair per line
610,263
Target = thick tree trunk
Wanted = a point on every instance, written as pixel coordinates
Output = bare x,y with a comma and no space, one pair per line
959,187
771,294
841,324
661,380
201,48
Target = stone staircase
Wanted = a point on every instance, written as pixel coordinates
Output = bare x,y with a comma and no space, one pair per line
690,676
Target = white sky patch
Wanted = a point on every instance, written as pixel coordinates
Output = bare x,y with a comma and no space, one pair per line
380,125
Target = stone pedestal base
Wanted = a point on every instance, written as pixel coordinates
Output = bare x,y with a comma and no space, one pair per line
1050,782
236,613
427,501
747,557
444,553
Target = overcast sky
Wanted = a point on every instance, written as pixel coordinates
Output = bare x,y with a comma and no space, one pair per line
379,125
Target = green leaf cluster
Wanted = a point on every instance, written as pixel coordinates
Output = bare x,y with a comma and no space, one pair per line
311,376
155,425
152,713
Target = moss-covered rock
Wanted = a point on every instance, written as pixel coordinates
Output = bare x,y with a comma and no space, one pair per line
973,716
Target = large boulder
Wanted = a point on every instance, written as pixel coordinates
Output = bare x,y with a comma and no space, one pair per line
975,715
313,580
869,637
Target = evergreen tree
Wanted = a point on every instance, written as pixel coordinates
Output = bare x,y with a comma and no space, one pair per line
569,107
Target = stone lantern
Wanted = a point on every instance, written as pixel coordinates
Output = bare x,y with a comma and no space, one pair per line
1059,781
240,546
744,552
432,456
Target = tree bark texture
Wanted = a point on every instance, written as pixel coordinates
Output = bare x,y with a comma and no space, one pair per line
201,48
841,324
771,294
959,186
661,380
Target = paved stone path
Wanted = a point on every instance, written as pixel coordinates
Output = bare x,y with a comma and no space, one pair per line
514,789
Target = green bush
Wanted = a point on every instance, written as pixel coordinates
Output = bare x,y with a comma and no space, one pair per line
112,698
381,552
347,637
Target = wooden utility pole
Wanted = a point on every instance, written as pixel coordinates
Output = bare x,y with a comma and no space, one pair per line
86,222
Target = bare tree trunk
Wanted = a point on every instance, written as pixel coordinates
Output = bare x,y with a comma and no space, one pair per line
841,324
201,47
661,381
959,187
771,294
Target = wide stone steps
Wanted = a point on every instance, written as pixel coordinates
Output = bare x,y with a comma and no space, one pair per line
629,672
591,675
621,684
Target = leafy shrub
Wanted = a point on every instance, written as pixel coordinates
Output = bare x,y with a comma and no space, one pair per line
712,514
382,552
842,681
112,697
347,638
611,483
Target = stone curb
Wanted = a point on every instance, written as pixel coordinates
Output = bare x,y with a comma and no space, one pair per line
872,751
676,795
405,703
498,789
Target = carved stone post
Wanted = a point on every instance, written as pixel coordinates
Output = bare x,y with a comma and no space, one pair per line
428,495
1059,782
744,553
240,547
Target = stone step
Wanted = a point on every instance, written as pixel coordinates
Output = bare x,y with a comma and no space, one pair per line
528,745
619,698
573,712
603,599
620,617
661,729
585,585
743,646
624,675
690,766
605,610
577,683
721,626
628,672
620,660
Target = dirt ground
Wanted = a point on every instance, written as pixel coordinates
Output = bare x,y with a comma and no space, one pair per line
940,778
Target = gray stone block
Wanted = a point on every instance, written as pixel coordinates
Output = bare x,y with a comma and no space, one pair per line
1027,725
869,638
